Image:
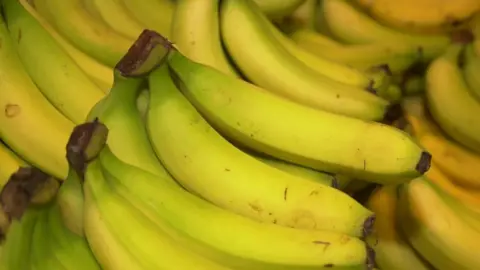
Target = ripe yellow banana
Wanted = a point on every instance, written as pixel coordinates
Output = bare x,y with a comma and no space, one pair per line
397,56
266,63
30,125
471,70
250,116
453,159
63,82
304,15
451,104
196,33
392,251
352,26
85,31
435,230
10,163
205,163
153,14
278,9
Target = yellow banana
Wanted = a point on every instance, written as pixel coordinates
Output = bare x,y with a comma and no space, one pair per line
10,163
153,14
278,9
471,70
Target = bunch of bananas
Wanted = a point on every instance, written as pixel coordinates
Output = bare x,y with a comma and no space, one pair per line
239,134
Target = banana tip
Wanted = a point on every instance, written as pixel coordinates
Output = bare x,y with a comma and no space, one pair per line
424,163
368,225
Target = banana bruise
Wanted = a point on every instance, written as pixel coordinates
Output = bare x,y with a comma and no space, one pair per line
471,69
196,33
440,236
352,26
266,63
210,230
153,14
31,126
85,31
64,83
451,104
249,115
392,251
210,166
137,233
451,158
10,163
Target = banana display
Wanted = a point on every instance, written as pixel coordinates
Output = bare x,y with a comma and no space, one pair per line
239,135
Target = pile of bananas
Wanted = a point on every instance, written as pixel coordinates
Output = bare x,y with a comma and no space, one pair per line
239,134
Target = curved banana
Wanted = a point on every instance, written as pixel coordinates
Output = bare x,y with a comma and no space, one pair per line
41,255
116,15
250,116
89,34
277,9
453,159
328,67
452,105
304,15
425,16
63,82
266,63
440,236
153,14
392,251
210,166
257,245
471,70
10,163
397,56
196,33
352,26
30,125
70,203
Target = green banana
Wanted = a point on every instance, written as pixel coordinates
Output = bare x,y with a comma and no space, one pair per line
352,26
235,180
278,9
211,231
196,33
328,142
30,125
85,31
440,236
266,63
10,163
64,83
451,104
116,15
154,14
397,56
16,249
70,202
471,69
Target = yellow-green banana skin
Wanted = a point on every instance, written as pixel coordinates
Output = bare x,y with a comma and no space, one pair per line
10,163
62,81
30,125
210,166
278,9
153,14
452,105
328,142
263,60
471,70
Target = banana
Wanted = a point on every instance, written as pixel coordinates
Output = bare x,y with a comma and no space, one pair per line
397,56
451,158
304,15
352,26
277,9
392,251
89,34
154,14
16,249
266,63
211,231
70,203
249,116
451,104
30,125
328,67
470,69
10,163
142,103
116,15
210,166
196,33
64,83
413,85
425,16
440,236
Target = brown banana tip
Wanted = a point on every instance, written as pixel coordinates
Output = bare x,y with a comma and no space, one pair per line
85,143
369,225
424,163
334,182
393,113
385,68
371,87
146,53
462,36
370,263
